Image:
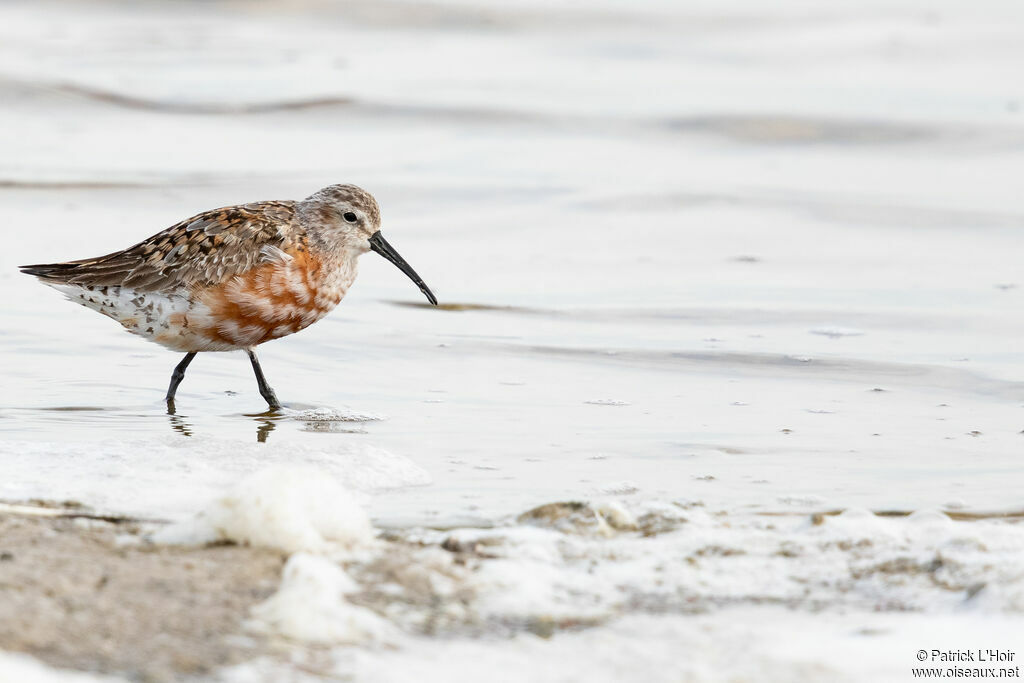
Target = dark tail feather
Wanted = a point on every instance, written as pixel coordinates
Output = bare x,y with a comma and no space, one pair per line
59,272
105,270
51,272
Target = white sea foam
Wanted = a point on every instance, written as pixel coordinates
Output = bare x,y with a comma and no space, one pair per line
334,415
18,668
310,606
644,559
173,477
290,508
847,597
767,644
669,559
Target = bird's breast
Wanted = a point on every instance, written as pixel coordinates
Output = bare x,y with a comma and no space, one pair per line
272,300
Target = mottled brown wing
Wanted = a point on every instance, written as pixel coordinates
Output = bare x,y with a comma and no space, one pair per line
202,250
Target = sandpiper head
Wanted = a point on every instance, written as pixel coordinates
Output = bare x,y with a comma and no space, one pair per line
351,214
349,211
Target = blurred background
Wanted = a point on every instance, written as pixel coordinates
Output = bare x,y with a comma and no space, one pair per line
735,219
662,232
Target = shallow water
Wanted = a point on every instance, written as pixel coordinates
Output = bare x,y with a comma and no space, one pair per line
767,261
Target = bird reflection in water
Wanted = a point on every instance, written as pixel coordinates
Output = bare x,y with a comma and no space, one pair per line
265,423
178,423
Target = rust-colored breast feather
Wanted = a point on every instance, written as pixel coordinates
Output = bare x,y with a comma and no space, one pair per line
269,301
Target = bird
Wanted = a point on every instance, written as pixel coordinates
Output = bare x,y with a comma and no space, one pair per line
235,277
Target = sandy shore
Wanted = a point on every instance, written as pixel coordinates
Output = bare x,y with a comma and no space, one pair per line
94,596
617,588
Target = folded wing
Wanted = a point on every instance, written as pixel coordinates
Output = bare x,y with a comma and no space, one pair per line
203,250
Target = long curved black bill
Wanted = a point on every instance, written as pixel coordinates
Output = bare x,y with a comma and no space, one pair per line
381,246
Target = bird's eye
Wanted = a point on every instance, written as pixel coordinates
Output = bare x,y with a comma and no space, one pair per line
349,216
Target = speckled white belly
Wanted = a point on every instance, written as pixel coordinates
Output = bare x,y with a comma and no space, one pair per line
167,319
266,303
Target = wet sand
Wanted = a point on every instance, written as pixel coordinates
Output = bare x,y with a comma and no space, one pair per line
93,596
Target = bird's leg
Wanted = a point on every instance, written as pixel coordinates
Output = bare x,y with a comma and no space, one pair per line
177,376
265,391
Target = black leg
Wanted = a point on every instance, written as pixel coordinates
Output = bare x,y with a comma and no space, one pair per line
265,391
177,376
